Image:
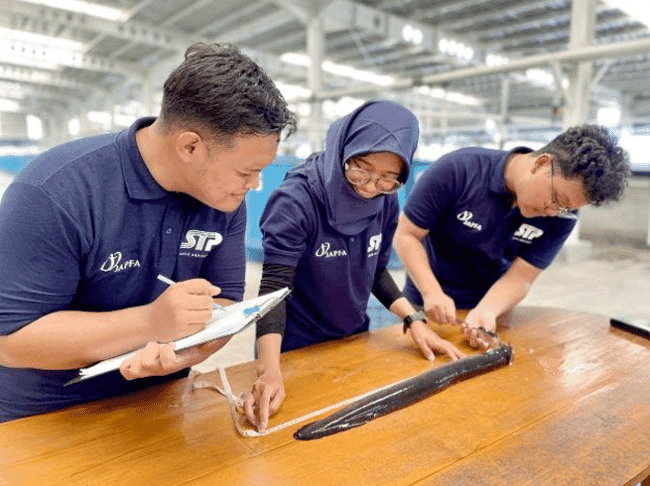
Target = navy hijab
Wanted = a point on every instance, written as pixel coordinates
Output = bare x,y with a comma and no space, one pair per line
376,126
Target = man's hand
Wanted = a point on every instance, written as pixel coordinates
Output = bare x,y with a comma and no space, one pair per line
430,343
264,399
160,359
440,308
478,318
181,310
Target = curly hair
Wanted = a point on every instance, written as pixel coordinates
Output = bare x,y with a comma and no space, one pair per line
219,89
590,153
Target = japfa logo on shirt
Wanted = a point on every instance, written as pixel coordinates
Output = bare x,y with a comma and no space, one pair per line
465,217
324,251
115,264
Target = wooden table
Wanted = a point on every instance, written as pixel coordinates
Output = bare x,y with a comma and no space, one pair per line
572,409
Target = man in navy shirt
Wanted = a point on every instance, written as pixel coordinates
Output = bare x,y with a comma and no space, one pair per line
480,225
87,227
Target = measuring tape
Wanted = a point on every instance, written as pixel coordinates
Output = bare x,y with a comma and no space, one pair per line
237,405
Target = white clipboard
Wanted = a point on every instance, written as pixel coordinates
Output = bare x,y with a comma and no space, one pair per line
225,321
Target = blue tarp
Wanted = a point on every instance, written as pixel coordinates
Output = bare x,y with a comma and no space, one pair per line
14,163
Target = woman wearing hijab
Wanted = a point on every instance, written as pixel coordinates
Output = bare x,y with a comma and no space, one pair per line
327,233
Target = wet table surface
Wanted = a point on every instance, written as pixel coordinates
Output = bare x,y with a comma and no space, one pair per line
573,408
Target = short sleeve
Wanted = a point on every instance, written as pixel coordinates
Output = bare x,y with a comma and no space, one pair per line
433,193
286,227
225,266
543,252
39,259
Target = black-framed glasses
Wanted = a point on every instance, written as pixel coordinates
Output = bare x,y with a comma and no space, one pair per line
359,177
561,210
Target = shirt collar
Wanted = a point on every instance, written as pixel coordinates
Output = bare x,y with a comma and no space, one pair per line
498,179
140,184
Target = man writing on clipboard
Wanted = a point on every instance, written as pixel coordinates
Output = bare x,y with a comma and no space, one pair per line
87,227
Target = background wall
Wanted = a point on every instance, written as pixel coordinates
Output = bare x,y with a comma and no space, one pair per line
624,222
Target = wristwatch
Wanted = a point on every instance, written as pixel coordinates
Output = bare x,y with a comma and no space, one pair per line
417,316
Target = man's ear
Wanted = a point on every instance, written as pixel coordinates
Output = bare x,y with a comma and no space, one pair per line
189,145
541,161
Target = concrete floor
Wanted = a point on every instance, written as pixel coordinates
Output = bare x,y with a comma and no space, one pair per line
614,280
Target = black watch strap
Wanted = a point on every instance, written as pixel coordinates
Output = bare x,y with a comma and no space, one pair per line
410,319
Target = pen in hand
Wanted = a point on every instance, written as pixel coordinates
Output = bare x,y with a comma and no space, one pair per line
169,281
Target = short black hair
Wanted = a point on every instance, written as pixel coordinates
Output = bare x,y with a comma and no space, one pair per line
590,153
219,89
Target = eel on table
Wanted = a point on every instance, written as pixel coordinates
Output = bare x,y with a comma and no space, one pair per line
405,393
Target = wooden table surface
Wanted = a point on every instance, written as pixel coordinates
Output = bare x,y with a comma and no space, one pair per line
572,409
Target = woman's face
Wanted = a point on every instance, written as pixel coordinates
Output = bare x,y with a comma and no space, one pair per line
373,174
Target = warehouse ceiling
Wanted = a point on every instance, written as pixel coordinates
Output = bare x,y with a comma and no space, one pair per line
411,47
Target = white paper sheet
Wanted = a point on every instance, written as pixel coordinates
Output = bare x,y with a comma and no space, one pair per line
224,322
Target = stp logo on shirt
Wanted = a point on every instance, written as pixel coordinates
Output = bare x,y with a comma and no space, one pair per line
201,240
374,245
526,233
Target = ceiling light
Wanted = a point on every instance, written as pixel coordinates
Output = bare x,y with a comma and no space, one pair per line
496,60
450,96
636,9
12,35
74,127
99,117
122,120
34,127
336,109
490,125
455,49
293,91
412,34
87,8
9,105
296,59
357,74
540,77
339,69
609,116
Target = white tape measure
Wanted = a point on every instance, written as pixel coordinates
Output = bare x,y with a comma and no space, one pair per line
236,405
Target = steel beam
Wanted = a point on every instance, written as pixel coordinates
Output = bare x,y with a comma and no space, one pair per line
586,53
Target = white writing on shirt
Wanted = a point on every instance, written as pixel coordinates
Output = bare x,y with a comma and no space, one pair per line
466,218
324,251
374,245
201,240
526,233
114,263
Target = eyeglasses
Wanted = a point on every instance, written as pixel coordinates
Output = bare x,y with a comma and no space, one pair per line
561,210
359,177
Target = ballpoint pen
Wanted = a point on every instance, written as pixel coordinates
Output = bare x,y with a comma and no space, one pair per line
169,281
231,320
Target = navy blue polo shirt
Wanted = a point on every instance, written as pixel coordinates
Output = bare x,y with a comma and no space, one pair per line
335,272
86,227
474,233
